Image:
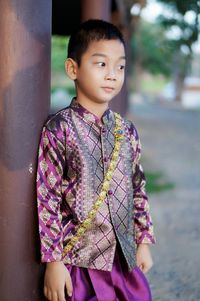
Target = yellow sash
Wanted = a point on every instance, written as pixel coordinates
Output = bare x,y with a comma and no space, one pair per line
118,133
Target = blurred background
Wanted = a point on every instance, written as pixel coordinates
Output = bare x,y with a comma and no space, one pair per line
162,98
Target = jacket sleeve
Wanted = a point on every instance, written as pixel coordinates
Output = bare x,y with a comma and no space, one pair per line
142,219
49,196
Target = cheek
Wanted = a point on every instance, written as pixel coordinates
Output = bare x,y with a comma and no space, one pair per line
121,80
92,75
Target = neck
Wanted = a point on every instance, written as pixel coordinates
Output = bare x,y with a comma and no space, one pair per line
97,109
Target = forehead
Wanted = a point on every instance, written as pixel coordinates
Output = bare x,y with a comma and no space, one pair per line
109,48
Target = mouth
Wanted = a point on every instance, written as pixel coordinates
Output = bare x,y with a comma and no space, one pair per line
108,89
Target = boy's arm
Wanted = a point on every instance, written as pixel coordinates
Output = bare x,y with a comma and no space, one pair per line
49,197
51,162
144,234
143,222
142,219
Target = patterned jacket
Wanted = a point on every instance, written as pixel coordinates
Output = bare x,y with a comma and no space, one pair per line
74,154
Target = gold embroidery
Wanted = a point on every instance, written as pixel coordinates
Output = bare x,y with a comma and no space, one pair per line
52,180
43,166
118,133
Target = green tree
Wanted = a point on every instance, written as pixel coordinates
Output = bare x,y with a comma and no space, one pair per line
188,30
151,51
188,34
152,48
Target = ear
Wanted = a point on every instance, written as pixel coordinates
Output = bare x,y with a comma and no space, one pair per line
71,68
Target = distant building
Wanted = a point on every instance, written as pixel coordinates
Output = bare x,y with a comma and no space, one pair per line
191,91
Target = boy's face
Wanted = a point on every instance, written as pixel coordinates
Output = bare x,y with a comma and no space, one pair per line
100,75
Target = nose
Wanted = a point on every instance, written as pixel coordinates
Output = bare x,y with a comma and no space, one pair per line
110,75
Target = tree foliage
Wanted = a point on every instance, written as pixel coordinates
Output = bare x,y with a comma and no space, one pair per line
151,47
189,31
188,34
183,6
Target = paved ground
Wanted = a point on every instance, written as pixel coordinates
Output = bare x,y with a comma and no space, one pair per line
171,143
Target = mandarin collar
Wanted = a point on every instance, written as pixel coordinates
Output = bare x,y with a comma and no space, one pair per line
107,117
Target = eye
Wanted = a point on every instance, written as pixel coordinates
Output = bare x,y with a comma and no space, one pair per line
121,67
101,64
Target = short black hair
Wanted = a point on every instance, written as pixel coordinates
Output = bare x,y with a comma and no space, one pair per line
89,31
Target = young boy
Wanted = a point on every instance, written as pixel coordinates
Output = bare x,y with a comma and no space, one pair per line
93,211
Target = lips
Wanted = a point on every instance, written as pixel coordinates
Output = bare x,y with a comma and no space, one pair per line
108,89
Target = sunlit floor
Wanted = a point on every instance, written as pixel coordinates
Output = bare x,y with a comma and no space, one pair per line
171,144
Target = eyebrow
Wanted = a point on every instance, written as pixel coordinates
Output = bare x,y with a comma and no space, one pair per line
103,55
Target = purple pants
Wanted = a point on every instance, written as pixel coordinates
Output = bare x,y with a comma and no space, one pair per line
117,285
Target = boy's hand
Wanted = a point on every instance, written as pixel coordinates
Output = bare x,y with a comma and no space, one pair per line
143,258
56,278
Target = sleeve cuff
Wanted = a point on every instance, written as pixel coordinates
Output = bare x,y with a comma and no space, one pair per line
145,238
56,255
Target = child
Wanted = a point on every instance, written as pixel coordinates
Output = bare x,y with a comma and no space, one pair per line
94,219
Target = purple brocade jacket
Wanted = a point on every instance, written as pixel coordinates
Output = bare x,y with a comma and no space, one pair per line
74,153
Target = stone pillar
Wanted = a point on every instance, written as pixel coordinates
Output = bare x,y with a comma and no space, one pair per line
95,9
25,35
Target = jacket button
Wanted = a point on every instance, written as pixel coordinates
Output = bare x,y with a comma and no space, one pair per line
110,192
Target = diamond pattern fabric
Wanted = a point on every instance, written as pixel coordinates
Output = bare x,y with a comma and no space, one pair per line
74,154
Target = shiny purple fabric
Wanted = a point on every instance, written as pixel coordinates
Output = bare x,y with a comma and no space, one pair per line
74,154
117,285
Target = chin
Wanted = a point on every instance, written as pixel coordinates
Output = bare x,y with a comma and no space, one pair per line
102,100
107,98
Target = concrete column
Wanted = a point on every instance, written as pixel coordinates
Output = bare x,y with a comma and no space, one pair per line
25,35
95,9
